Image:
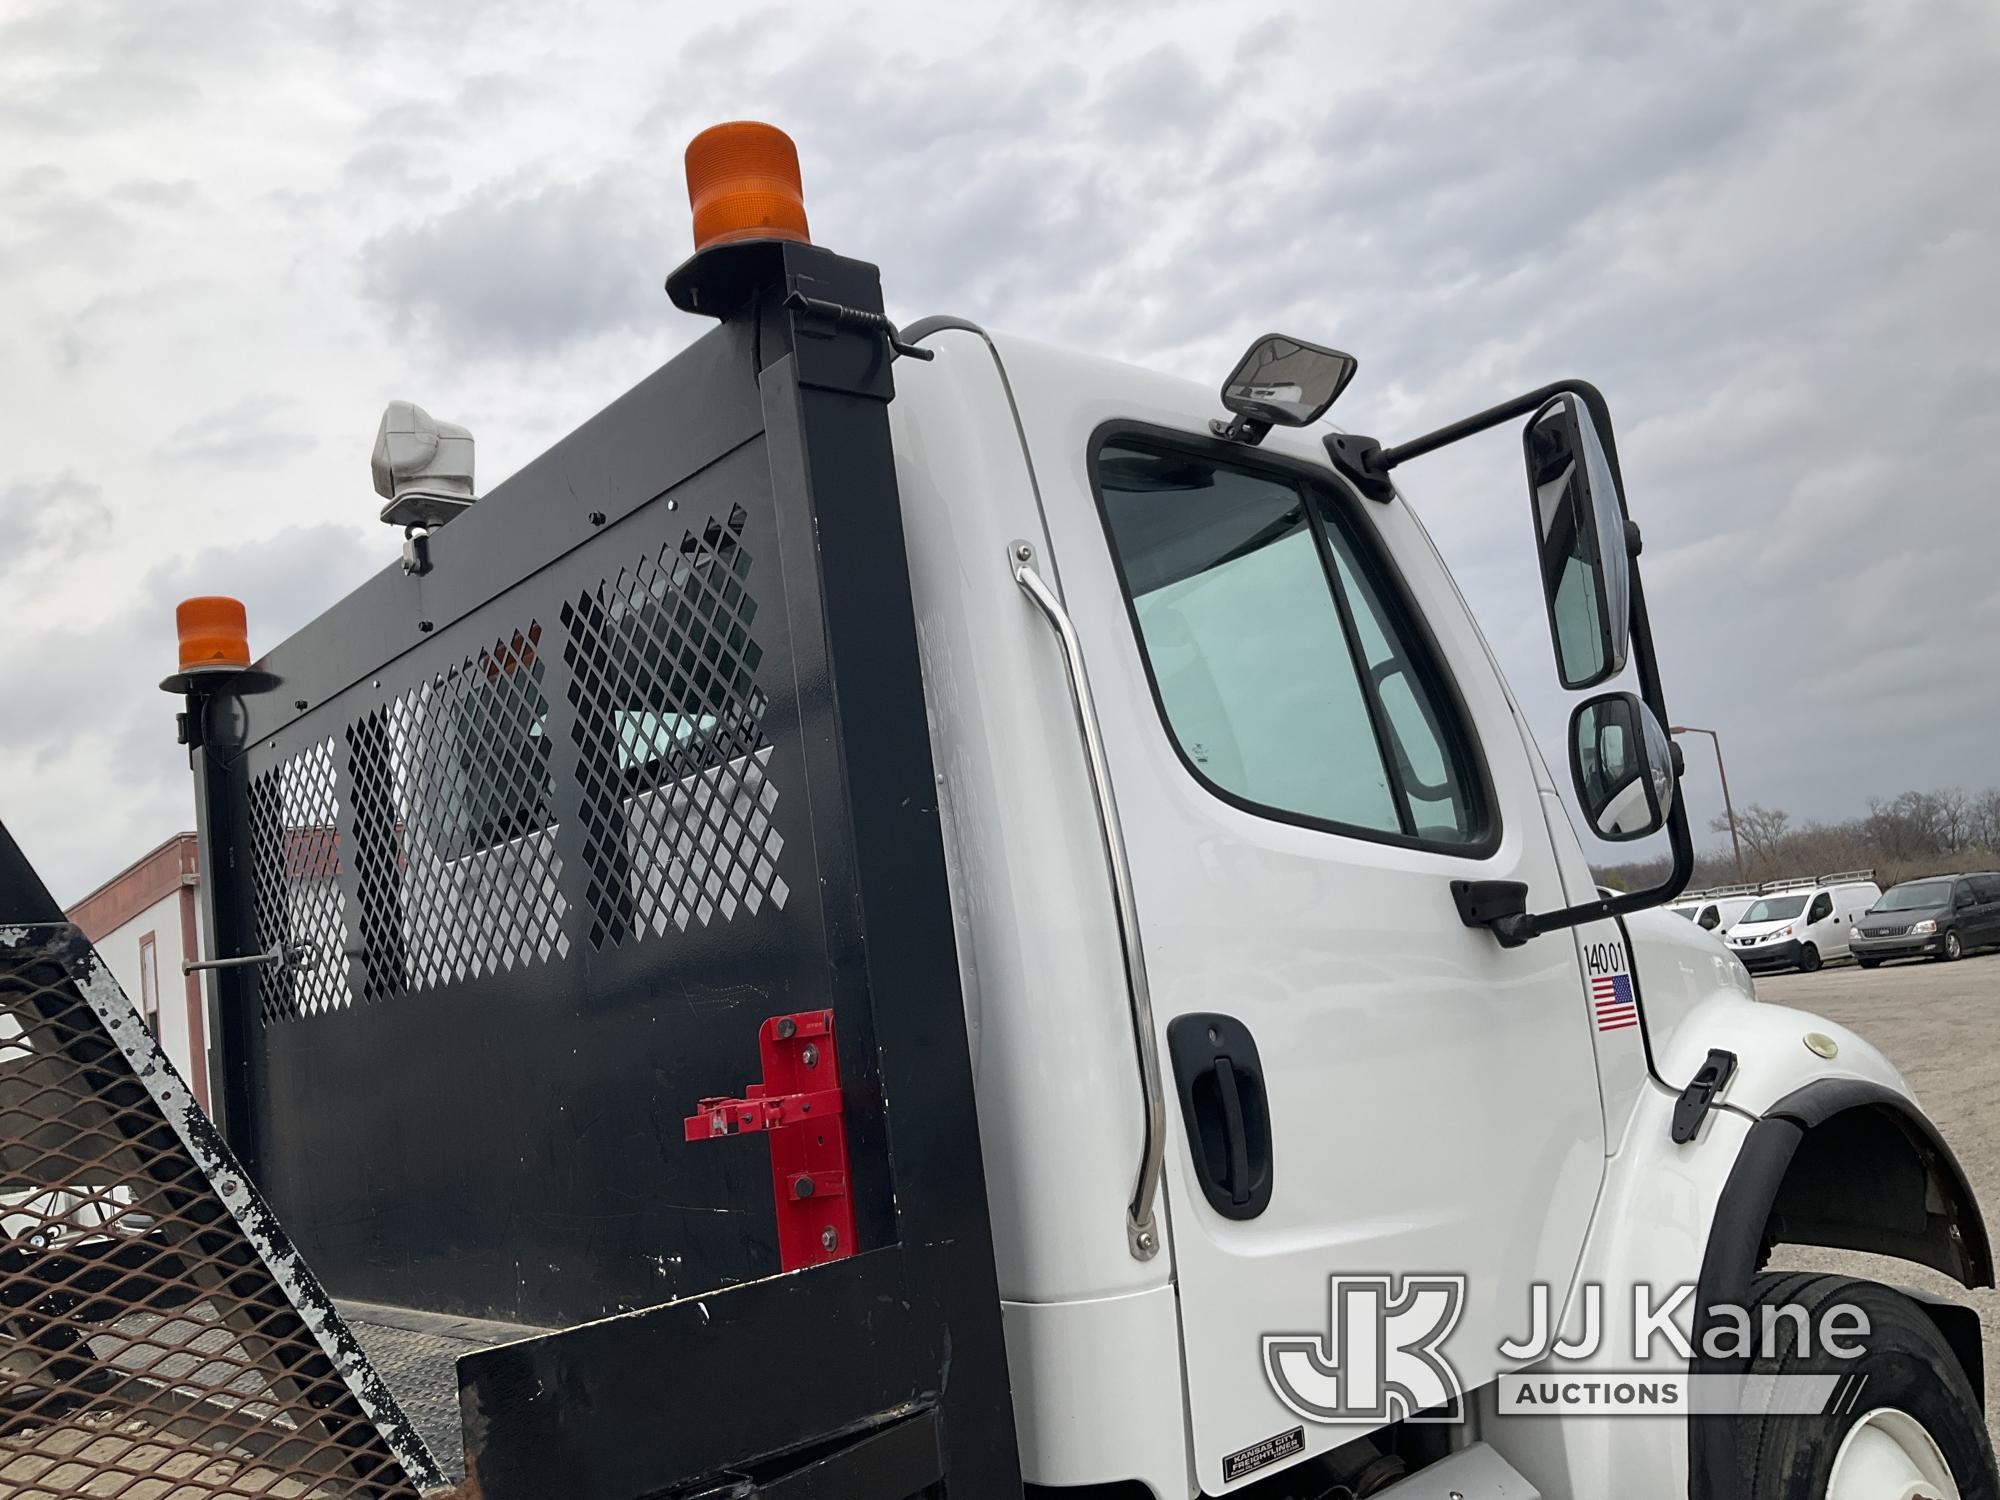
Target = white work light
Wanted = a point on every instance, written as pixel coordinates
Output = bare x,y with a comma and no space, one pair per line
423,467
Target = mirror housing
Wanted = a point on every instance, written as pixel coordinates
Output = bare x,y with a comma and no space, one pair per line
1580,538
1282,382
1623,765
1572,462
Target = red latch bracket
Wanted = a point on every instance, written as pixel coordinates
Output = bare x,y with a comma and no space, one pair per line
798,1105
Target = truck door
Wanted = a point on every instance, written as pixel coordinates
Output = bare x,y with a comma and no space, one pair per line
1308,746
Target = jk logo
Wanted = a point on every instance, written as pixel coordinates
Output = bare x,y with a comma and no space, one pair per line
1378,1360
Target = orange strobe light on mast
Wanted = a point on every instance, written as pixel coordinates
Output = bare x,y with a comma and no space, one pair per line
743,184
214,634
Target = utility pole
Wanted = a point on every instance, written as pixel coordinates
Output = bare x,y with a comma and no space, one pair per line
1727,806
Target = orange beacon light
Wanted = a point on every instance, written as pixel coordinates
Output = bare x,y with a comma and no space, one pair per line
743,184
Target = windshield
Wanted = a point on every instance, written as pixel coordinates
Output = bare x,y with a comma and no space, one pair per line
1776,908
1915,896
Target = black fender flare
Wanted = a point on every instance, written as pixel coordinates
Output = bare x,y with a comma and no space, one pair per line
1846,1164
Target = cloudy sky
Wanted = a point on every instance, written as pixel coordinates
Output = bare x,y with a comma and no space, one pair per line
230,233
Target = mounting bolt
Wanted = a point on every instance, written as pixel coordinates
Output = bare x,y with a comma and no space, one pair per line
787,1029
802,1187
1148,1241
810,1056
829,1239
1024,553
231,1188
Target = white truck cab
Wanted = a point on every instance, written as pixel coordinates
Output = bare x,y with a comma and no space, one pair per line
1315,1126
1311,754
1802,924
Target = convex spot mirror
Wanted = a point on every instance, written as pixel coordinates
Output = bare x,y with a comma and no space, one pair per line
1286,382
1580,532
1623,766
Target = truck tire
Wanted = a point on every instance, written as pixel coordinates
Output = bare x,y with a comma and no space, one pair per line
1869,963
1915,1426
1808,959
1953,948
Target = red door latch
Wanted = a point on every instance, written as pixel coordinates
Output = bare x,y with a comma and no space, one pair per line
798,1105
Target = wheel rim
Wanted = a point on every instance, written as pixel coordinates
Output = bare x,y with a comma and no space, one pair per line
1951,945
1888,1455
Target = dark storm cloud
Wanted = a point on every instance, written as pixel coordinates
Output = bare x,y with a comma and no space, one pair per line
525,270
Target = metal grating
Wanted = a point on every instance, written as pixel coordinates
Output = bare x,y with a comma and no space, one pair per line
671,748
458,873
152,1340
295,871
446,798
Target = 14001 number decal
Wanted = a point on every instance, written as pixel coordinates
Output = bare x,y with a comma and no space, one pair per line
1604,958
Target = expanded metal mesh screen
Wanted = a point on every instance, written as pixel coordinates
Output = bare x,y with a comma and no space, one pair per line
419,846
458,872
158,1338
671,749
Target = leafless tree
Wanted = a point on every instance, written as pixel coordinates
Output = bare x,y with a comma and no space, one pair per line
1760,828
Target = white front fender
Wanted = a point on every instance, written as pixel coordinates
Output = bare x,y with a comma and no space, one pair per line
1697,1215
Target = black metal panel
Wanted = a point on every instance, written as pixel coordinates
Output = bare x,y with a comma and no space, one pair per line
583,806
830,1351
542,868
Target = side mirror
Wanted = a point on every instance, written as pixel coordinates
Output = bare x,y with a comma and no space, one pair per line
1282,382
1580,532
1623,766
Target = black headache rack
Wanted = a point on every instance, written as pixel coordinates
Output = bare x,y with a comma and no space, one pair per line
560,836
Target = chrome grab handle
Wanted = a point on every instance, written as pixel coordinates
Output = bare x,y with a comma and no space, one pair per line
1142,1231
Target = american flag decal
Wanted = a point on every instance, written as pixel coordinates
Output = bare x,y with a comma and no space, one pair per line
1611,999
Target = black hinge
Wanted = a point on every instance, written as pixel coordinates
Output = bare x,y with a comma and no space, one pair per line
1708,1081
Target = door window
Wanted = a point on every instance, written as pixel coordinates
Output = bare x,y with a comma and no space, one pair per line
1710,918
1822,908
1286,669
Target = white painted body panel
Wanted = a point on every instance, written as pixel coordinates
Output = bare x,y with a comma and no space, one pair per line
1104,1401
1446,1105
1058,1085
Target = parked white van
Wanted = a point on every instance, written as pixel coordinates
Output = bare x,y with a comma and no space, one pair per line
1716,911
1800,924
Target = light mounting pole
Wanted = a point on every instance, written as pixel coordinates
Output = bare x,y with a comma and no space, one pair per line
1728,807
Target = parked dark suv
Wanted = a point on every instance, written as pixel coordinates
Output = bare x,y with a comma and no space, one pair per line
1939,916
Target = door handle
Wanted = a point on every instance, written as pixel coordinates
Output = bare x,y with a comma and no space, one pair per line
1226,1109
1234,1131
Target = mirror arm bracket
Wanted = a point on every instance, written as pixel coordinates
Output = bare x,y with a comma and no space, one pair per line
1239,429
1358,460
1501,905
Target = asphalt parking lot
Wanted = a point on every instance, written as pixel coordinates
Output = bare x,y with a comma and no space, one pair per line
1940,1025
